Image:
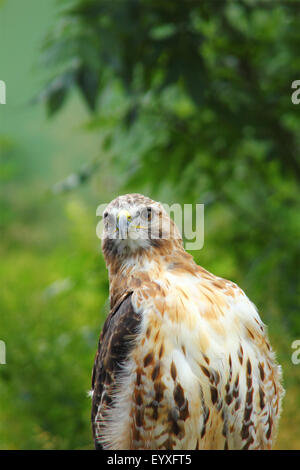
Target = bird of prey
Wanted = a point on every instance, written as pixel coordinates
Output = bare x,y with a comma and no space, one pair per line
183,361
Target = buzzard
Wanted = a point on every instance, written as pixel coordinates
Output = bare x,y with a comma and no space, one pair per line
184,360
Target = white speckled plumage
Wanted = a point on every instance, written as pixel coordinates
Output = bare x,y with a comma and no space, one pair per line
198,372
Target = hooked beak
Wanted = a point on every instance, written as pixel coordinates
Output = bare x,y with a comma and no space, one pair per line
123,220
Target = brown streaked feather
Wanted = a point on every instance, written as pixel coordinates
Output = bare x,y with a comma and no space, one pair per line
115,344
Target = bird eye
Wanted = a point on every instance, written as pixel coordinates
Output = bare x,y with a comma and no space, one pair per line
109,221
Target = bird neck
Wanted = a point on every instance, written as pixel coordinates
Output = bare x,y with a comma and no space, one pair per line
146,266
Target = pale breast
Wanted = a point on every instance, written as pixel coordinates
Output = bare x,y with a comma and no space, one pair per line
208,375
202,374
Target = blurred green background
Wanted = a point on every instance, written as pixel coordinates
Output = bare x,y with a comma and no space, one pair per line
184,101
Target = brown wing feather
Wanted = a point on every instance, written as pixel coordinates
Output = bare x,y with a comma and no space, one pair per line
115,344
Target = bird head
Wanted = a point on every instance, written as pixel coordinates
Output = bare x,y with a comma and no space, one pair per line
135,223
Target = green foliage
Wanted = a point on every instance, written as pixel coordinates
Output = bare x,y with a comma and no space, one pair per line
196,96
54,299
190,102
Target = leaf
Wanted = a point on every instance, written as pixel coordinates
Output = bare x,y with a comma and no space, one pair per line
88,82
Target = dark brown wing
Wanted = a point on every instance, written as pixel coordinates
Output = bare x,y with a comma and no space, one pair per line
115,344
